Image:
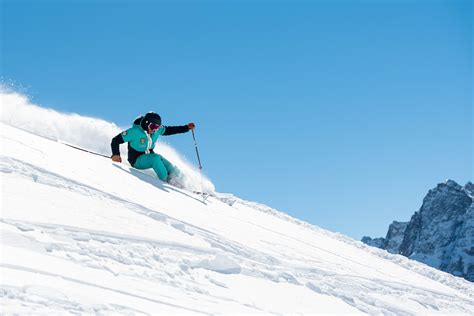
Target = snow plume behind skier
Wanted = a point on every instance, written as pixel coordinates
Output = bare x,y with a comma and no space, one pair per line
86,132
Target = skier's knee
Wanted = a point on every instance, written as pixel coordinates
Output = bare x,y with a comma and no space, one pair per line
160,169
162,174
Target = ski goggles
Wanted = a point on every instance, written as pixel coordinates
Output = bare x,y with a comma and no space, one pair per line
154,126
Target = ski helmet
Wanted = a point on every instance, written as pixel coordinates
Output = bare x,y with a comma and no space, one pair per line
150,117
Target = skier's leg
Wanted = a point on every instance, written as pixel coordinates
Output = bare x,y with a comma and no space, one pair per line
160,168
173,171
176,177
152,161
144,162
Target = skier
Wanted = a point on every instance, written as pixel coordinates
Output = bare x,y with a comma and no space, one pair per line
141,139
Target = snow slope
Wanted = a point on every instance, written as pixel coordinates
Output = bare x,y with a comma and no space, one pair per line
80,234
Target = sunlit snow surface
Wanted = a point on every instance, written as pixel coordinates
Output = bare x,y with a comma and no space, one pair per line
80,234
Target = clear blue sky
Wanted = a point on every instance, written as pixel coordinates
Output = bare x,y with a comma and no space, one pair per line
341,113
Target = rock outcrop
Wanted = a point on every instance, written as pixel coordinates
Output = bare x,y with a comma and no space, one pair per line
440,234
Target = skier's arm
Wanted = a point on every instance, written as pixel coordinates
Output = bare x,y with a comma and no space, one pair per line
171,130
116,141
121,138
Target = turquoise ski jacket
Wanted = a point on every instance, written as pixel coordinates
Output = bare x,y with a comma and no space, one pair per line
139,141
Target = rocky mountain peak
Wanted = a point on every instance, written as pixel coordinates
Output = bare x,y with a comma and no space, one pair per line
469,188
452,184
440,234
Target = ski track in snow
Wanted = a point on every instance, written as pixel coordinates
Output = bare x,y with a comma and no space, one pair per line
185,266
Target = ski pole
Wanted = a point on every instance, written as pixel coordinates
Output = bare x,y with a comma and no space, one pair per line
87,151
197,151
199,161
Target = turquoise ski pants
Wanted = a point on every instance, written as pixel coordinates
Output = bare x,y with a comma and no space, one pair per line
162,167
